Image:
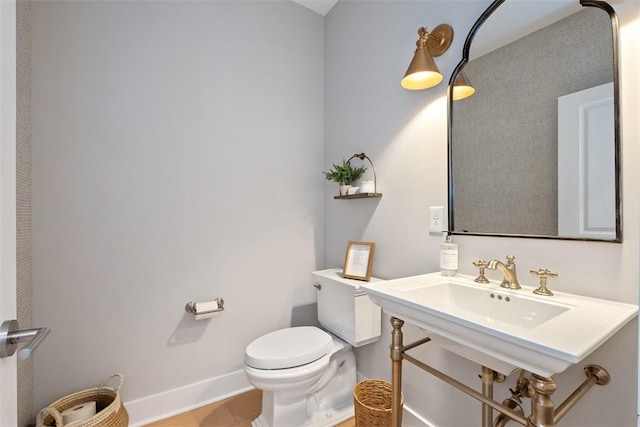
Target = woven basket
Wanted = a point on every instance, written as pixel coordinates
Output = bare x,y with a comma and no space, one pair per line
110,412
372,403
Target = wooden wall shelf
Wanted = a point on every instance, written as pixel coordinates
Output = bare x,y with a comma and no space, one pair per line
359,196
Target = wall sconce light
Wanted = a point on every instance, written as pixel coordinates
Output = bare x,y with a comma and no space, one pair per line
462,87
423,72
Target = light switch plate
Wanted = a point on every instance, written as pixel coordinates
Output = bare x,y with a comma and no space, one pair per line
436,219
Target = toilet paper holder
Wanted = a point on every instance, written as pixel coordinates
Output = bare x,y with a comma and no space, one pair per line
191,307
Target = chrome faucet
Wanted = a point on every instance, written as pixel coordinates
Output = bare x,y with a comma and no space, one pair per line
508,270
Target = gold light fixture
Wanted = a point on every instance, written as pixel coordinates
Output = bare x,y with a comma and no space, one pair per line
423,72
462,87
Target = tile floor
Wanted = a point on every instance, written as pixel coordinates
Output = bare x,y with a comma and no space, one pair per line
237,411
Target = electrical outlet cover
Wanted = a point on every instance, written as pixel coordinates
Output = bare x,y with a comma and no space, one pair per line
436,219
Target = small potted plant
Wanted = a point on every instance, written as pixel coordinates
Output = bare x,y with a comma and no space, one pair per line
344,175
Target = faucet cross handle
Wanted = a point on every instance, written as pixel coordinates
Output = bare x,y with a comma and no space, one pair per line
481,264
543,273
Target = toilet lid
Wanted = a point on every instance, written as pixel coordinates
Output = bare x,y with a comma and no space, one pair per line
287,348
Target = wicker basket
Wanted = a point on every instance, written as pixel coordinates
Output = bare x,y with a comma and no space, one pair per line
110,412
372,403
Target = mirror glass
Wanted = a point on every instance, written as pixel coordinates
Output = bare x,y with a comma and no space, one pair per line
534,152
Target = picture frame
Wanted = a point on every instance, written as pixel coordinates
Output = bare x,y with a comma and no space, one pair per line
358,260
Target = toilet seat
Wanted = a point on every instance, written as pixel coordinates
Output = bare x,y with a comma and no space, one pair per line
288,348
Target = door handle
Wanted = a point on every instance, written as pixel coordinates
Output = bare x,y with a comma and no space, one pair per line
11,336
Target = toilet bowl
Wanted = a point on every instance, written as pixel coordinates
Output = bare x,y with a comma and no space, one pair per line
305,383
307,374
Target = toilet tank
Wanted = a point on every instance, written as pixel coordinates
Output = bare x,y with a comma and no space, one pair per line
345,309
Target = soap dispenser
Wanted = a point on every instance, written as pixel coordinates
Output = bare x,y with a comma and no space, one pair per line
448,257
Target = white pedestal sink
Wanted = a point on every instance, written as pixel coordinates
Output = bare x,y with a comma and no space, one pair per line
499,328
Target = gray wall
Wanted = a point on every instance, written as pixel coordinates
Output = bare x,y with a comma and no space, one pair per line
405,135
177,150
506,136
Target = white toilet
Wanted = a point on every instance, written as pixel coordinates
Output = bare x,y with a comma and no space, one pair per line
307,375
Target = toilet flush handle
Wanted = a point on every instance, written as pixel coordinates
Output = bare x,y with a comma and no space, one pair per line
317,286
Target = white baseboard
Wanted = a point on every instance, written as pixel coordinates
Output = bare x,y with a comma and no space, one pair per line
176,401
410,418
172,402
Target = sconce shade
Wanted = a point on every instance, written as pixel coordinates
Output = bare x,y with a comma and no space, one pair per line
462,87
423,72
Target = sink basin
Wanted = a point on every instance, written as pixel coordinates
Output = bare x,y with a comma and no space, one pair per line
499,328
490,306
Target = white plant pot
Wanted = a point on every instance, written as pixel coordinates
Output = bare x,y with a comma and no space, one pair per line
344,189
